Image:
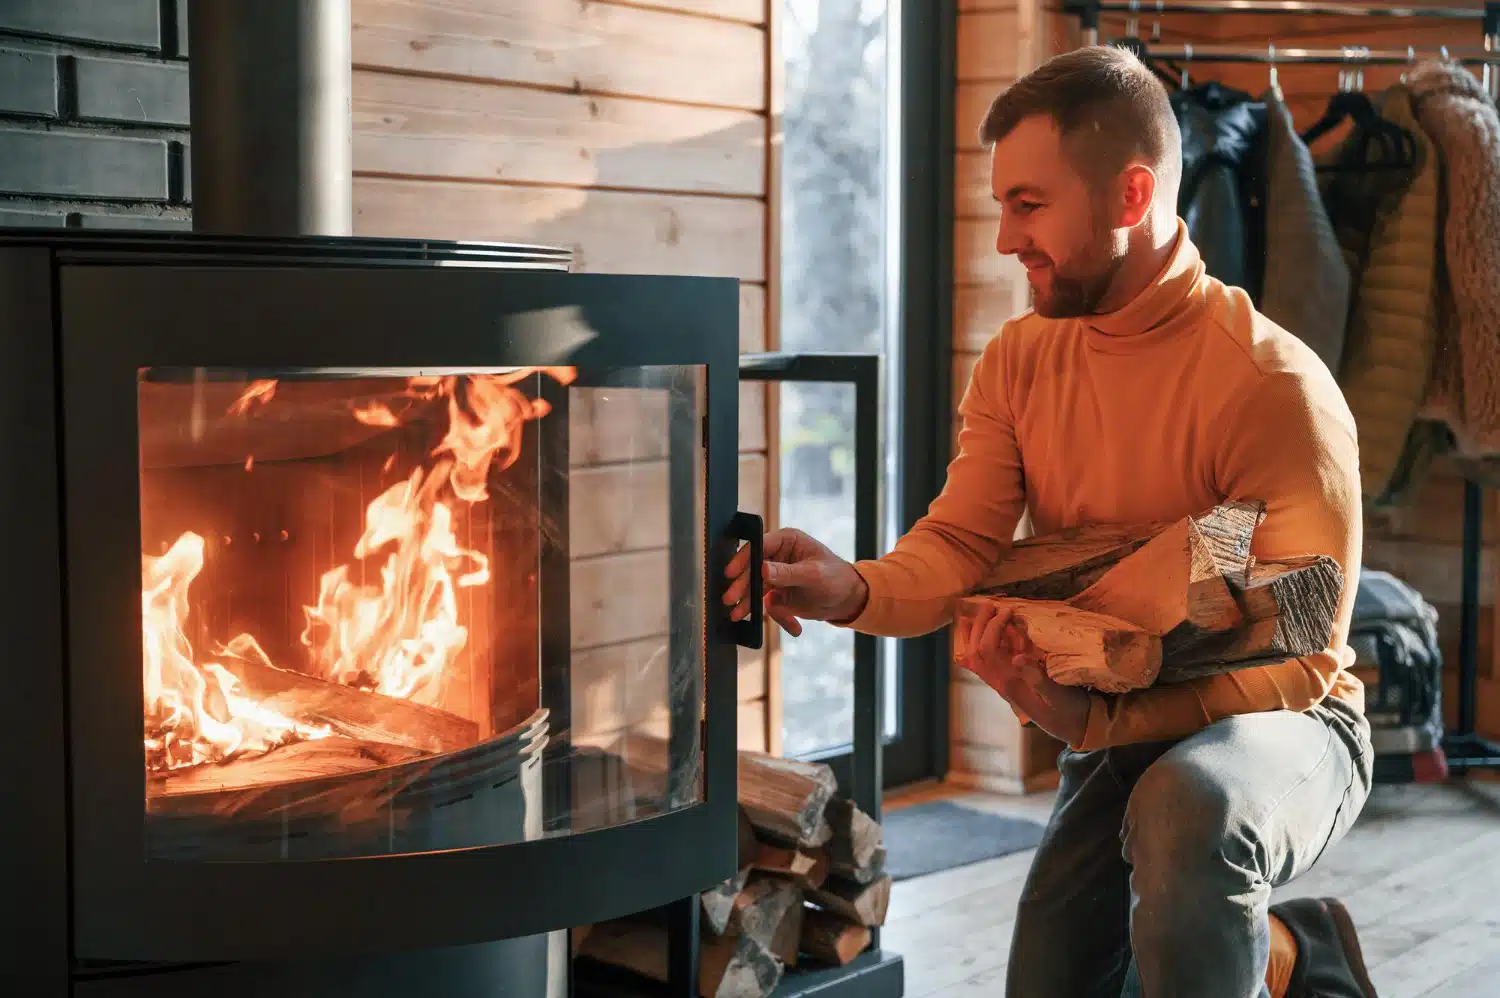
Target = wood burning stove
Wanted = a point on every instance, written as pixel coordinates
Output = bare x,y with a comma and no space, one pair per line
296,606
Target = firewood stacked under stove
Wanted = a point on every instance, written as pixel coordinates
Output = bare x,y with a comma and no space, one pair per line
810,889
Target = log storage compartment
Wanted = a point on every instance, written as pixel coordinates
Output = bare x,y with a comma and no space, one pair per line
328,512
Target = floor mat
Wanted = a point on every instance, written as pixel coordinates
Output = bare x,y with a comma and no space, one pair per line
939,835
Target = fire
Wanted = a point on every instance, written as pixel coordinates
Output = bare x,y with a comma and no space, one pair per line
399,636
259,393
193,710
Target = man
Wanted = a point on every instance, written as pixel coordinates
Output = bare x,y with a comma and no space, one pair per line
1139,388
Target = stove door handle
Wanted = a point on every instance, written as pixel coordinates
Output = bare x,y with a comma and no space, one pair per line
751,632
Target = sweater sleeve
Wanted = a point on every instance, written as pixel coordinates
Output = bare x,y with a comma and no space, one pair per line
1291,444
967,528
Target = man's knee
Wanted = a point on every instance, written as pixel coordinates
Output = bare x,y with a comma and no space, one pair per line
1183,832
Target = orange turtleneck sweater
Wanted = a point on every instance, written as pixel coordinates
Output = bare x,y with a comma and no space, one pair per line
1183,398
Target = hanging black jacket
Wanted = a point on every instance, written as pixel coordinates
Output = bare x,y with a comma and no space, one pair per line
1221,200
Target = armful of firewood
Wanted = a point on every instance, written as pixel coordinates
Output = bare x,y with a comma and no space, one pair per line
1166,603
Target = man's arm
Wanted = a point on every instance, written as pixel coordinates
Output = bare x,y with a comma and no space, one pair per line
1291,443
967,528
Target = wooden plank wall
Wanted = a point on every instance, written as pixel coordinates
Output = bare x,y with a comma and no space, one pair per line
999,39
636,135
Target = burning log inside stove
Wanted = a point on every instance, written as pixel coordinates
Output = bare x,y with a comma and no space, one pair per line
391,581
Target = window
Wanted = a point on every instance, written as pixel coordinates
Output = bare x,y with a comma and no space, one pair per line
838,208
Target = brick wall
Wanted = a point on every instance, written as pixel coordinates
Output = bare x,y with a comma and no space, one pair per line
94,113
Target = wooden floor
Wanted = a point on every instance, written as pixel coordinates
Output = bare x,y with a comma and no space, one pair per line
1420,873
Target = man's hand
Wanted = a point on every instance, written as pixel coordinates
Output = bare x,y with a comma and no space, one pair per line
994,647
803,579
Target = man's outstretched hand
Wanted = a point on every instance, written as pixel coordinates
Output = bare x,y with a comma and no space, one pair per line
989,644
803,579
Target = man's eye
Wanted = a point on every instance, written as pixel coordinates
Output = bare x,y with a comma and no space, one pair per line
1026,207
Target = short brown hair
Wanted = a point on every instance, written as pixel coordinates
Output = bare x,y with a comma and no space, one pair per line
1102,96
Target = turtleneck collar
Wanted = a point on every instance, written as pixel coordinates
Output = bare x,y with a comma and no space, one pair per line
1173,296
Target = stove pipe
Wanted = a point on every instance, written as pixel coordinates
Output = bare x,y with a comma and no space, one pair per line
269,84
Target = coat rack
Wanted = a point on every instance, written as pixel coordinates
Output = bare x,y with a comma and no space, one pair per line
1465,749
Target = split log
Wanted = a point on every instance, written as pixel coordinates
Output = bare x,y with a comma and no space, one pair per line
1173,586
320,757
1289,608
737,967
718,902
860,874
830,939
1060,566
856,835
634,945
359,714
1228,529
762,906
863,905
787,940
784,798
1083,648
749,845
806,868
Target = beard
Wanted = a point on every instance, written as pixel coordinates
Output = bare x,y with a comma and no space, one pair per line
1079,283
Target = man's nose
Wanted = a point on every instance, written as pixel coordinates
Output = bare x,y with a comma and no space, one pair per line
1008,241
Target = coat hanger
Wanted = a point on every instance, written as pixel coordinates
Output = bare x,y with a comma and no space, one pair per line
1380,144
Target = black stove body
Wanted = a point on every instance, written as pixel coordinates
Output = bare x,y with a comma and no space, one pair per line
314,503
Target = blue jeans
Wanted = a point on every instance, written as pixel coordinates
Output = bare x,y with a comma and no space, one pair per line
1155,873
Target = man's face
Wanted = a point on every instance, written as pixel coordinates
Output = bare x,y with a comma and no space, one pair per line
1051,220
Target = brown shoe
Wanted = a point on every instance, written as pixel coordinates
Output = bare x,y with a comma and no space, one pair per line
1329,961
1350,941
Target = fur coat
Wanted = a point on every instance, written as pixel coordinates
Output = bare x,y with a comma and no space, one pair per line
1461,120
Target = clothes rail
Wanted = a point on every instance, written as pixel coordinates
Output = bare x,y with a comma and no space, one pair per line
1353,55
1329,9
1088,11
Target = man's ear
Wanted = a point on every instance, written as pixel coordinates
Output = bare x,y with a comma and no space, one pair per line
1137,189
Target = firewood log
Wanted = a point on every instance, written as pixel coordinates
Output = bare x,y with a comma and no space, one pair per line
635,945
333,756
762,906
864,905
786,942
749,845
1173,586
1060,565
1228,530
830,939
784,798
718,902
359,714
856,835
807,868
1082,648
737,967
1289,607
860,874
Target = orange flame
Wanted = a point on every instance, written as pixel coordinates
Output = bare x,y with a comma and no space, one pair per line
400,637
258,393
193,710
